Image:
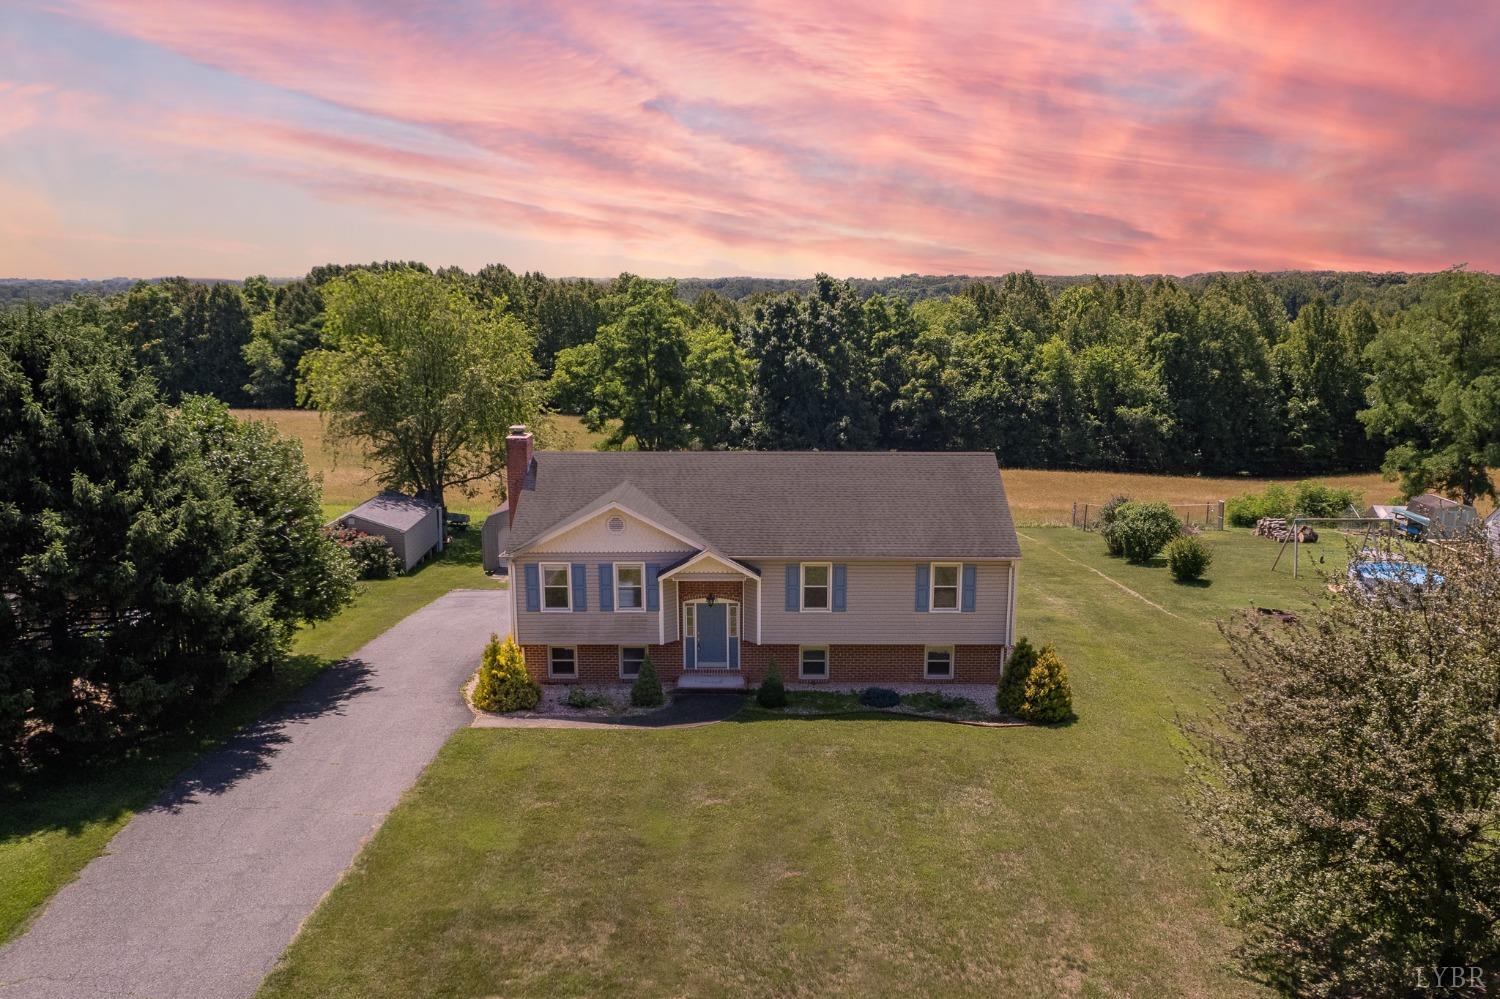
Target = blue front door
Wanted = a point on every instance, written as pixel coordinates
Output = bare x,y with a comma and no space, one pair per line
713,635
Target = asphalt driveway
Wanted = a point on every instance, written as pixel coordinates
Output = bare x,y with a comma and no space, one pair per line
198,895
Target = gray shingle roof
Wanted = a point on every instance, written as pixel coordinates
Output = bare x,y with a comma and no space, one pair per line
397,511
899,504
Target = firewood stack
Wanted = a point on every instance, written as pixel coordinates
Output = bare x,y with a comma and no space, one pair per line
1278,529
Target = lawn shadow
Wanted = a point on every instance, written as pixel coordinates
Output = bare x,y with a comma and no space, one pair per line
1200,584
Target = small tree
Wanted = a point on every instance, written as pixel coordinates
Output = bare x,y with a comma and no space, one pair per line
1012,686
772,692
1140,530
504,684
1048,696
646,691
1188,558
1351,792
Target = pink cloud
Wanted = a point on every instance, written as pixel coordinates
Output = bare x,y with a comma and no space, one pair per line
1170,135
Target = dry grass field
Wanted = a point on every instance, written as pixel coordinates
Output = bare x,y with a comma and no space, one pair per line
1037,496
348,479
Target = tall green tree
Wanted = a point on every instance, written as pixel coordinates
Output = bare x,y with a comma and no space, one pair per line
635,373
126,567
1435,388
1319,362
278,509
424,381
812,355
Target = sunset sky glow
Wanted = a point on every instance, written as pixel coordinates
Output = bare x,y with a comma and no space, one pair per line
220,138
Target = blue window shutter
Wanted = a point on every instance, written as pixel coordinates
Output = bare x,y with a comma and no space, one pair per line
971,574
580,587
923,580
653,601
533,588
606,586
840,586
793,580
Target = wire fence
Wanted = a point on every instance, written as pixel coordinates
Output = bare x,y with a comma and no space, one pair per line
1205,514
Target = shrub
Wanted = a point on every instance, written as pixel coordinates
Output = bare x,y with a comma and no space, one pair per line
1188,558
1013,677
1140,530
879,697
1108,514
646,691
772,692
1305,499
1313,499
372,555
504,684
1048,696
583,700
1350,789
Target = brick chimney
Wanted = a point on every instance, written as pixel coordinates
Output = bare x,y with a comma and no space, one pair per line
518,447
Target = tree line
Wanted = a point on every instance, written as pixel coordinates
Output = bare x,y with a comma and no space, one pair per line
1295,373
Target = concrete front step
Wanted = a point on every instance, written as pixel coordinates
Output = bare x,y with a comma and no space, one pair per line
729,680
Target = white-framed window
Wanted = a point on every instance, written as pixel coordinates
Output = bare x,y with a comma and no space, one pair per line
813,662
817,584
557,588
734,620
945,582
630,586
562,661
939,663
631,657
689,620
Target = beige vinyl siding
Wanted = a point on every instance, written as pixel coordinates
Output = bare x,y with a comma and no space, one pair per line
592,626
881,600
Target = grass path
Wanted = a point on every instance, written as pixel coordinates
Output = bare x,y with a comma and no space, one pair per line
858,855
1090,568
49,830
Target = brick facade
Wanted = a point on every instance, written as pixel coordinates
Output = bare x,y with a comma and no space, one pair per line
847,664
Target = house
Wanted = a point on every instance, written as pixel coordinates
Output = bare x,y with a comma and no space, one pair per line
412,527
845,567
1441,517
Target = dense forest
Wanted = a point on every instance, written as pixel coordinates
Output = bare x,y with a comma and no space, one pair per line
1286,373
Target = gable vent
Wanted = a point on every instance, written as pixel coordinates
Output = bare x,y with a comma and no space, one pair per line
616,525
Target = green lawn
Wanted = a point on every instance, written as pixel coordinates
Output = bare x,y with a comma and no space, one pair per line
856,855
50,830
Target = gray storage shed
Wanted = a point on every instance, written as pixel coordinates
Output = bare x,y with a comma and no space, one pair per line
413,527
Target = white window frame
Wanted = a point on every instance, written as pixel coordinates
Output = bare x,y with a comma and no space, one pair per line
802,568
689,619
562,676
802,651
958,587
732,618
567,568
645,652
615,572
927,652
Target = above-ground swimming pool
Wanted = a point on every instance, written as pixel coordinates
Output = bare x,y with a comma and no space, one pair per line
1406,573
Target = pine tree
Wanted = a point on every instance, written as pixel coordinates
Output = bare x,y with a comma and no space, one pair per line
1012,686
646,692
504,684
772,692
1048,697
